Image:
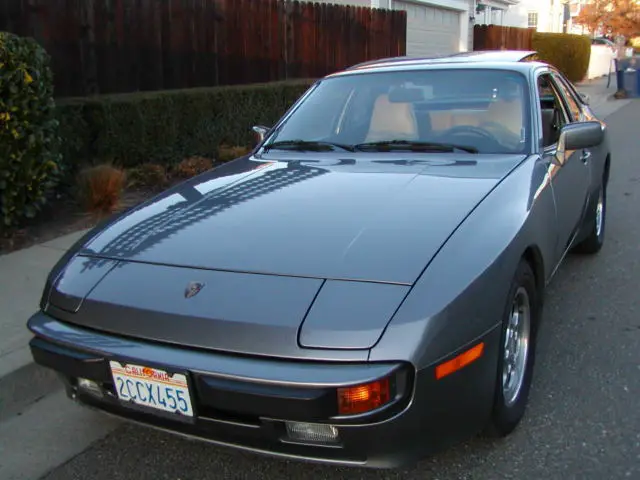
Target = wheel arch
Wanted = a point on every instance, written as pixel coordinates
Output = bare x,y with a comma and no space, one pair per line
607,167
533,256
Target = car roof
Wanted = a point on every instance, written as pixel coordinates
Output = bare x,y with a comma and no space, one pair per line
507,59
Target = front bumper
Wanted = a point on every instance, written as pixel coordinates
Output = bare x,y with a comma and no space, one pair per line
243,402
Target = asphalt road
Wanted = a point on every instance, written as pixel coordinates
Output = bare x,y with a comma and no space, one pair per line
584,416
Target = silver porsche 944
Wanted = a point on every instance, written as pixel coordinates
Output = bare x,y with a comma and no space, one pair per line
363,288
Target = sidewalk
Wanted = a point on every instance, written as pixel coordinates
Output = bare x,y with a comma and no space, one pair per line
23,274
22,278
601,97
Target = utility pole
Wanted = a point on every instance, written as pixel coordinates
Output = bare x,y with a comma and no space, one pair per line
566,15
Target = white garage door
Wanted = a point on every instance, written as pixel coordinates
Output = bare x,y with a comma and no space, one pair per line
430,30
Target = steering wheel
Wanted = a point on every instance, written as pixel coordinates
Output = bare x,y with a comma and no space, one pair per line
493,125
494,143
470,129
506,136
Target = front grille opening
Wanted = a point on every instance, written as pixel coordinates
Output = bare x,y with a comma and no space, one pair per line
209,413
110,388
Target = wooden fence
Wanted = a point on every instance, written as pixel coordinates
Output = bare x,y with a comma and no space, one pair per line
110,46
495,37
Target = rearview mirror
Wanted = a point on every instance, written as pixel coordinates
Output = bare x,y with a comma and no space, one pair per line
579,136
261,131
406,95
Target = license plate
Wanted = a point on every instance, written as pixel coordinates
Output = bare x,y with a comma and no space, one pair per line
152,387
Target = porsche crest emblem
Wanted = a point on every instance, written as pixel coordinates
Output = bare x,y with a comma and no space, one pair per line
193,289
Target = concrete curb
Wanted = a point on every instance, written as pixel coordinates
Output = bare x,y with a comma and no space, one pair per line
22,382
25,386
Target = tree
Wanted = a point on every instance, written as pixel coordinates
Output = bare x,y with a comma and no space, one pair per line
613,17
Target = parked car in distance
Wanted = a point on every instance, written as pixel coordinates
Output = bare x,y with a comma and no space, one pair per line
604,41
365,288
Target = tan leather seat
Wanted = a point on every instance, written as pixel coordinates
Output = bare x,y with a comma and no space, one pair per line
391,121
547,130
508,114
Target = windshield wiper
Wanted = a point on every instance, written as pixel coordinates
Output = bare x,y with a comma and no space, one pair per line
414,146
311,145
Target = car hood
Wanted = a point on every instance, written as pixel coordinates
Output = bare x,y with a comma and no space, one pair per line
380,218
281,258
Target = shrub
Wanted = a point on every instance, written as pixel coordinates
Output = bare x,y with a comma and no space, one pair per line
29,156
168,126
227,153
100,187
148,175
567,52
190,167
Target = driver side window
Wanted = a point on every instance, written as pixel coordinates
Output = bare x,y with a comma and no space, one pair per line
554,116
571,100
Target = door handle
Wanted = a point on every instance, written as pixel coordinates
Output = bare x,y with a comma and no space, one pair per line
586,156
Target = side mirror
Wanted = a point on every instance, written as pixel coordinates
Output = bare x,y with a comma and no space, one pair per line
579,136
261,131
585,98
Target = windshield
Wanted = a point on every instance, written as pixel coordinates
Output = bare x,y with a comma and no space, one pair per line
478,111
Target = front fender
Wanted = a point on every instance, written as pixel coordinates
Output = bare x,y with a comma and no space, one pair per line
461,294
73,251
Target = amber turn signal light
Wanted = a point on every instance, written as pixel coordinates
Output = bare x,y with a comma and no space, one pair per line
461,361
363,398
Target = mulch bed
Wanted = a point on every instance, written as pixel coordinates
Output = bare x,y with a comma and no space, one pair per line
64,215
60,217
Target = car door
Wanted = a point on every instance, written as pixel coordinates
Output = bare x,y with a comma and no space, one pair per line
571,172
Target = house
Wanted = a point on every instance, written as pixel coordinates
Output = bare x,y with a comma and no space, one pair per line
493,12
435,27
542,15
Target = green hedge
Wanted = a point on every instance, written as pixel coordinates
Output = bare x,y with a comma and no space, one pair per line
165,127
567,52
29,157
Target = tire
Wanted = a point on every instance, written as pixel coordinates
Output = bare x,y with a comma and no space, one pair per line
512,392
595,240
